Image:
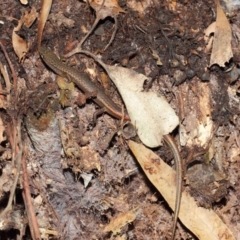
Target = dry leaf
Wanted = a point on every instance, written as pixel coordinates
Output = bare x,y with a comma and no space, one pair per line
119,203
65,85
24,2
222,50
46,232
204,223
208,37
70,145
157,57
87,178
210,29
139,6
66,91
120,221
30,17
105,8
45,9
90,159
153,117
20,46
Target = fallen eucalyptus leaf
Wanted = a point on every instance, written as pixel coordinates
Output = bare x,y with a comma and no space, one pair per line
150,113
204,223
222,50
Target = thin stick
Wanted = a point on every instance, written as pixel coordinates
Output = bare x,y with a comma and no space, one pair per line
28,202
14,75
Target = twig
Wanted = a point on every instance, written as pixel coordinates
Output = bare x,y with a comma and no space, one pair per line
17,155
14,75
114,33
78,48
5,75
28,203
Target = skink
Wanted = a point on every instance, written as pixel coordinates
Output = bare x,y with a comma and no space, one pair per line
87,86
82,81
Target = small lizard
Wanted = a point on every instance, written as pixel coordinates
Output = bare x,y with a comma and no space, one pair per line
101,99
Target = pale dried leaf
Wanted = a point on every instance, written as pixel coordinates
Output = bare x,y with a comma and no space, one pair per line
208,47
204,223
87,177
150,113
105,8
24,2
222,50
30,17
139,6
157,57
46,6
46,232
90,159
120,221
208,37
20,46
209,30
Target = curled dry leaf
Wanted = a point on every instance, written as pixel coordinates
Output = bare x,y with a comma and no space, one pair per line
20,46
222,50
204,223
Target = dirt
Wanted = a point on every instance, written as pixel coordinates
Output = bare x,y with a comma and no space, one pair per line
82,175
